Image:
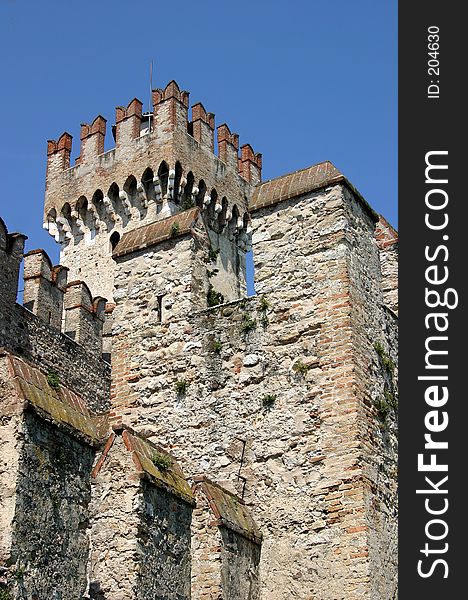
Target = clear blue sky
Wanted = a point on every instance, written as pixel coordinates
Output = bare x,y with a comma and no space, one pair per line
301,81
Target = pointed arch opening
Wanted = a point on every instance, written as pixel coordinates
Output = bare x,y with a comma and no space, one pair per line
163,174
187,200
222,214
201,193
114,239
177,180
148,184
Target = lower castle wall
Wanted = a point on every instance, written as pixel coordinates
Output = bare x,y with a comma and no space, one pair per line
206,554
140,535
375,359
164,546
239,573
50,528
382,496
10,445
114,523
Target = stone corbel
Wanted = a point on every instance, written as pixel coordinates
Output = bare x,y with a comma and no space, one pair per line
109,208
127,206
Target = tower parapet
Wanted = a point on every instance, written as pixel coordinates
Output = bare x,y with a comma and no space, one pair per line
11,255
163,163
84,315
44,287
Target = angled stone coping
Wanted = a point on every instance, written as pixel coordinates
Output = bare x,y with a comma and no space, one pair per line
60,405
229,510
299,183
159,231
386,235
160,467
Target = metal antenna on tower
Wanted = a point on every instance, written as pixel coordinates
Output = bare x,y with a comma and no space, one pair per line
150,99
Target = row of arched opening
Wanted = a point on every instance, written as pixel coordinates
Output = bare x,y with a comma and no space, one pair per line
166,192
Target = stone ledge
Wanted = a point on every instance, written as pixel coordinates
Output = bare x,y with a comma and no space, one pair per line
171,478
301,182
154,233
229,510
62,406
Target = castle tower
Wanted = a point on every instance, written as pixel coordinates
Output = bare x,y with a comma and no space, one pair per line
286,399
162,164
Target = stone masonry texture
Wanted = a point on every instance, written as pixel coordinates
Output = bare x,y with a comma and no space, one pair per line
164,436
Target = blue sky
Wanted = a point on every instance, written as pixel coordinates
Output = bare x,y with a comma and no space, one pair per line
301,81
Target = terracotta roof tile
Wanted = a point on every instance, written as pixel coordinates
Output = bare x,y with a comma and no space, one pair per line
229,509
299,183
61,405
156,232
294,184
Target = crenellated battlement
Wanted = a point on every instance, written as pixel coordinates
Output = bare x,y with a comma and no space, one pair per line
92,139
146,142
11,255
44,287
68,308
84,315
163,163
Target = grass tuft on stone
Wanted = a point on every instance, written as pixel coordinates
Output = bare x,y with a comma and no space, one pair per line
54,382
248,324
300,368
213,298
161,461
268,401
181,386
217,347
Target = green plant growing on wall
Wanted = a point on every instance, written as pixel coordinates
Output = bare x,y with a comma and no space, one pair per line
213,298
217,347
212,273
212,254
386,361
268,401
53,379
263,305
181,386
162,461
382,407
248,324
175,229
387,403
19,573
300,368
391,400
187,204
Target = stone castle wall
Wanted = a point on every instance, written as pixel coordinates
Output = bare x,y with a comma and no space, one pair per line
281,374
51,515
281,408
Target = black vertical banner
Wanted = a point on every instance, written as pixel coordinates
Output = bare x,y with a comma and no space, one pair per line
433,367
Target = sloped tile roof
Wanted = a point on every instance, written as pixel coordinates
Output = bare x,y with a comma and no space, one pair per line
156,232
147,454
299,183
229,509
60,404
